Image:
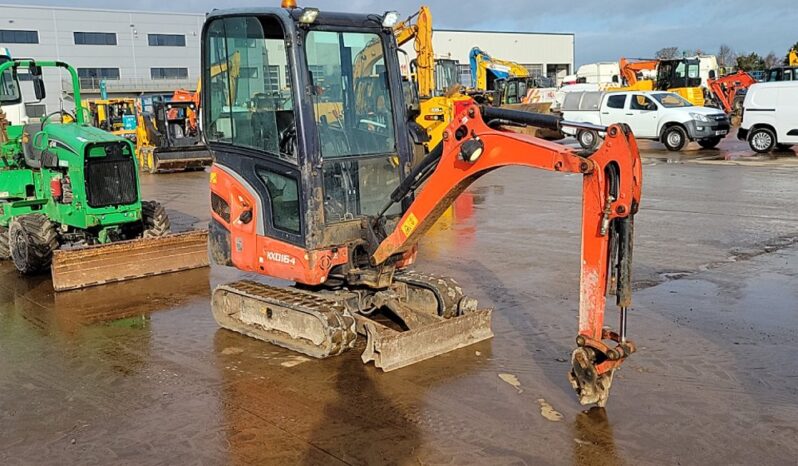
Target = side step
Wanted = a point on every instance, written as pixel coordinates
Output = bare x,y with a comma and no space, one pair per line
126,260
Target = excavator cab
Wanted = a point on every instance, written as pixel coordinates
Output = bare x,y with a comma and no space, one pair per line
314,182
681,76
322,148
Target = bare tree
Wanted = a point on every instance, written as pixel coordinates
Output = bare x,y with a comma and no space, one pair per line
771,60
667,53
726,56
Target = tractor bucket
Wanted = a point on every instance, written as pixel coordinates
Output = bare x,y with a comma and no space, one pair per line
127,260
393,349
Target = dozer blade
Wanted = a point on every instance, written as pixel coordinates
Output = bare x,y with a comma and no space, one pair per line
127,260
300,321
190,158
391,349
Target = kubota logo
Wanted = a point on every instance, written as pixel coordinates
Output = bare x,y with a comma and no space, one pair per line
281,258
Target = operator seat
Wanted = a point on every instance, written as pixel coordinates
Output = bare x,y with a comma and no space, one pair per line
33,156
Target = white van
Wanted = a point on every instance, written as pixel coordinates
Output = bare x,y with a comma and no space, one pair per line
770,116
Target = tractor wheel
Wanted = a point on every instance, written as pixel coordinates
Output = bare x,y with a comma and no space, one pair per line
156,222
5,252
32,240
674,138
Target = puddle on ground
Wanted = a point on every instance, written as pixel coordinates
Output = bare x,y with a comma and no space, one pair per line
512,380
548,411
294,361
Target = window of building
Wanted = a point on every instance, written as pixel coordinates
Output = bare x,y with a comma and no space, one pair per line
169,73
616,101
249,72
535,70
95,38
12,36
166,40
98,73
273,78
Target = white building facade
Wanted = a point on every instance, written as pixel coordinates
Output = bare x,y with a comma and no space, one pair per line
543,54
134,53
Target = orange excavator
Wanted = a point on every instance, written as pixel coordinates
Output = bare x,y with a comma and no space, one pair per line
333,203
726,90
630,71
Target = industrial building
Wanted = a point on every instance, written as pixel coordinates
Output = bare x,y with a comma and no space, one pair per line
135,52
543,54
131,52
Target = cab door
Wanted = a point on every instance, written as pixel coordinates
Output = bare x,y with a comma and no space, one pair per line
787,115
614,110
642,115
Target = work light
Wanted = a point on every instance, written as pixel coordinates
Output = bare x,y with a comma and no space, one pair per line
309,15
390,18
471,150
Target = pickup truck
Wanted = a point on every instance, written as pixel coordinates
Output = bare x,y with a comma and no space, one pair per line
659,116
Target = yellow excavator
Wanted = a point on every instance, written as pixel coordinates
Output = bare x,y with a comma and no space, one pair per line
437,96
681,76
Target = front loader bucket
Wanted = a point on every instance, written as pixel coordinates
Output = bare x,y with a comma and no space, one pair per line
391,349
128,260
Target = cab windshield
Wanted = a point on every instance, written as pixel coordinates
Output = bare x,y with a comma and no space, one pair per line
669,100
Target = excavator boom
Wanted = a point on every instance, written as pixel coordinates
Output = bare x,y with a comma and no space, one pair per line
725,89
611,197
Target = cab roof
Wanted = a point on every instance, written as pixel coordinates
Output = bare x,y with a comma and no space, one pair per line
325,18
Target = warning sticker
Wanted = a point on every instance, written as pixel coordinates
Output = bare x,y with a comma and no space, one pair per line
213,177
410,224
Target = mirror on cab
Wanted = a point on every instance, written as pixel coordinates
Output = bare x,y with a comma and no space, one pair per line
412,103
38,83
499,87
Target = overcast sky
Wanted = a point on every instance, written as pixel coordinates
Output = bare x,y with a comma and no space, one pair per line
605,30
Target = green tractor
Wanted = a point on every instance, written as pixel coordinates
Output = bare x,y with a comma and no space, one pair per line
64,184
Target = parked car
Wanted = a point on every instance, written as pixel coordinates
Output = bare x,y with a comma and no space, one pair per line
660,116
770,116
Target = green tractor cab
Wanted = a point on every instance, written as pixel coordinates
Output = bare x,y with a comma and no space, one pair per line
64,184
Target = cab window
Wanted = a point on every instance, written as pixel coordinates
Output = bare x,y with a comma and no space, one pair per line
350,93
249,97
641,102
354,118
616,101
9,87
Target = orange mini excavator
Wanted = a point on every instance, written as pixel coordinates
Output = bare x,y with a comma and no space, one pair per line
314,183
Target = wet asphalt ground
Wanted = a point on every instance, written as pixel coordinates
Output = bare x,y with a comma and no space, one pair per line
139,373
